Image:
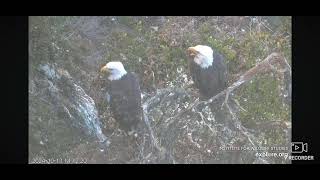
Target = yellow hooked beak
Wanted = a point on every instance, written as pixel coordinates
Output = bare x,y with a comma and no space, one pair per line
192,51
104,69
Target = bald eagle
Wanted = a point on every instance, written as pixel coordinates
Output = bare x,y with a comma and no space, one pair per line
208,71
124,96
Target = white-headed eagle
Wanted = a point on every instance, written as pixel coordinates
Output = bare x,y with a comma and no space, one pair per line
208,70
125,96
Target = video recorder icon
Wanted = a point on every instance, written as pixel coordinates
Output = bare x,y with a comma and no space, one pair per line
299,147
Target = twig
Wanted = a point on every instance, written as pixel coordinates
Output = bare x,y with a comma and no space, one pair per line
266,26
262,67
67,38
153,80
238,104
146,120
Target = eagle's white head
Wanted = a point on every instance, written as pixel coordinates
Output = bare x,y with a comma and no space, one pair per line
115,70
203,55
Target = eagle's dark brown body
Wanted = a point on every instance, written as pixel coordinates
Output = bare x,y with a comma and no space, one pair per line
125,101
211,80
